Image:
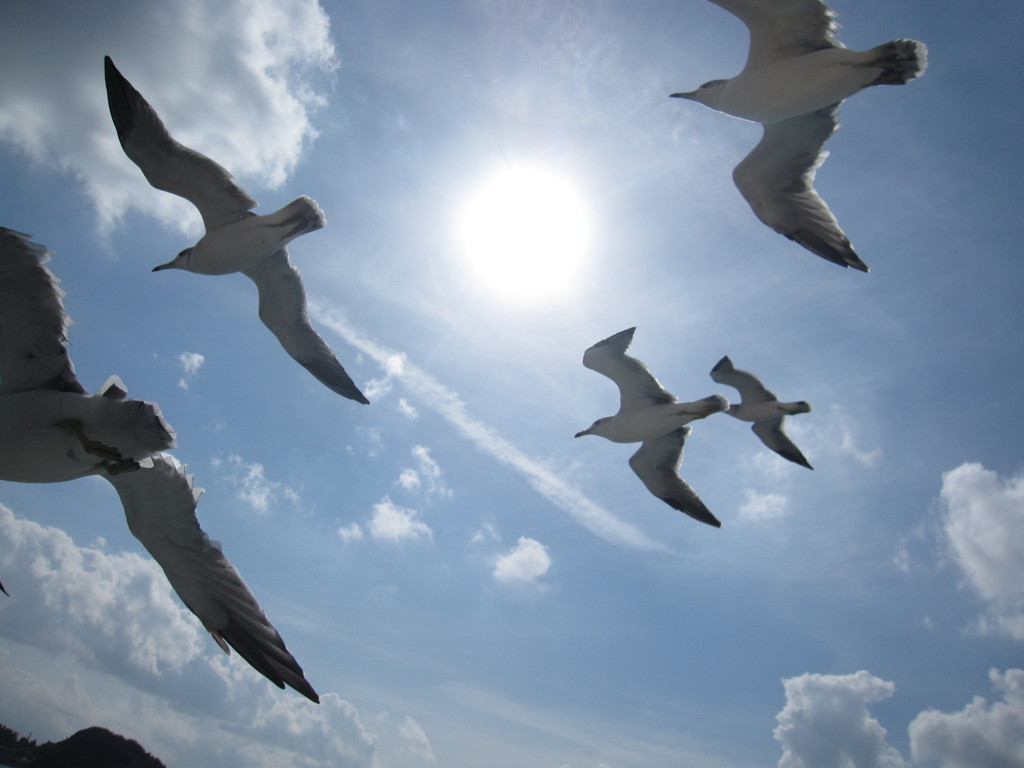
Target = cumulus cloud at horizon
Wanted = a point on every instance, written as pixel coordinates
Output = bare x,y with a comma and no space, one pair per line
115,614
826,723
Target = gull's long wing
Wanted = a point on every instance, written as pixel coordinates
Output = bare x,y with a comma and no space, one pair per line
283,311
33,323
657,464
750,387
160,504
637,387
781,29
774,436
777,179
166,164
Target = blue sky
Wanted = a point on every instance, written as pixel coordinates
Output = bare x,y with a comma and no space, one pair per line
463,582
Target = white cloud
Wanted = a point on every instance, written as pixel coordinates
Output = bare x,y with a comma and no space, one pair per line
148,668
254,487
269,51
191,362
763,506
486,532
981,735
351,532
407,409
449,405
984,523
409,479
825,723
371,442
525,563
391,522
375,389
417,744
830,433
114,611
427,470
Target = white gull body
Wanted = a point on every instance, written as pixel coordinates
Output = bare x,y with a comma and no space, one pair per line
795,77
650,415
236,239
761,406
52,430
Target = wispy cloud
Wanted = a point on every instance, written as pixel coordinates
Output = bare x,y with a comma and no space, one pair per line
407,409
486,532
427,474
431,393
191,362
254,487
830,433
763,506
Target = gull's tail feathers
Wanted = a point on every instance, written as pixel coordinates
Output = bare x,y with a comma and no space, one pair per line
900,61
134,428
300,217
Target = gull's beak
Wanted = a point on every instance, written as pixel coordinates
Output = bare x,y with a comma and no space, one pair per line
162,266
581,434
682,95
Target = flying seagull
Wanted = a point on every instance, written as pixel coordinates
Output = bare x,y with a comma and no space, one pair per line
762,407
236,239
650,415
52,430
795,78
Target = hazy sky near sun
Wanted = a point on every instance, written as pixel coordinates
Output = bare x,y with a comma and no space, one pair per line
463,582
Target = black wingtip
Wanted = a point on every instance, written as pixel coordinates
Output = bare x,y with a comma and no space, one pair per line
119,100
110,72
725,362
796,458
272,660
702,515
628,333
839,251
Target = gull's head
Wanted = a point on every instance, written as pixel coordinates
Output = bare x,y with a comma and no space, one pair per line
597,428
181,261
708,94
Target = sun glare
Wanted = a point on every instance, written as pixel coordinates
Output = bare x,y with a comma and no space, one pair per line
524,233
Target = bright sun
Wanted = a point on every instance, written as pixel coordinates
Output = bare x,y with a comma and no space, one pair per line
524,233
